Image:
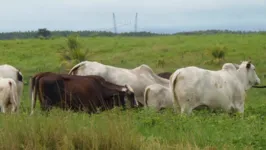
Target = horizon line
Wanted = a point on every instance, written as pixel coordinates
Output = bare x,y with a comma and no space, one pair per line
160,32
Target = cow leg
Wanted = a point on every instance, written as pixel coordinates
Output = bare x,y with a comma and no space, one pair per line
4,108
240,108
186,109
175,106
13,108
188,105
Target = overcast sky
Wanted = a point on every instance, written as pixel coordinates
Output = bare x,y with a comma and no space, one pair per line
153,15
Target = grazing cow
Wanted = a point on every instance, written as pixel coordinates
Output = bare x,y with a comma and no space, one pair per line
8,71
8,95
85,93
225,88
158,97
165,75
138,78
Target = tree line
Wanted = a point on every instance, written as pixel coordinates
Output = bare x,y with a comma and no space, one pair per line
45,33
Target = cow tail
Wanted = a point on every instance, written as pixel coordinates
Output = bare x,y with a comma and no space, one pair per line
30,87
173,81
13,93
34,84
74,69
146,93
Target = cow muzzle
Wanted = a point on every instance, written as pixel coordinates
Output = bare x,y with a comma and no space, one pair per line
257,82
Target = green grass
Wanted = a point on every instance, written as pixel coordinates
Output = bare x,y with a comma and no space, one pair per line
137,129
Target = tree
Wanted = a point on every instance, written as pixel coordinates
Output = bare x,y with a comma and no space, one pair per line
44,33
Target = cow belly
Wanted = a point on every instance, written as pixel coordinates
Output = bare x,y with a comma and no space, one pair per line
216,99
196,95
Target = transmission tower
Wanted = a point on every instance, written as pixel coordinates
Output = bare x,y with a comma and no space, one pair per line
114,23
136,22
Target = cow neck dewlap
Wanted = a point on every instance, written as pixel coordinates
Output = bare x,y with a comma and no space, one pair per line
242,76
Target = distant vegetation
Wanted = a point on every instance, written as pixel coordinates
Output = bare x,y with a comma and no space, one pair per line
45,33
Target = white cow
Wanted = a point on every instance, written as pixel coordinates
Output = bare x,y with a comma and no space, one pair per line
158,97
138,78
8,95
8,71
225,88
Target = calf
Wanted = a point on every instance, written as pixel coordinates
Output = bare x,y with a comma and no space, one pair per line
8,71
85,93
8,95
158,97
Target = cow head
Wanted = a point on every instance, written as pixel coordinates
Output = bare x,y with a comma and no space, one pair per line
130,95
247,70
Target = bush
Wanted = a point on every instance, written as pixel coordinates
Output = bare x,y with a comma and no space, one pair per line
73,54
219,52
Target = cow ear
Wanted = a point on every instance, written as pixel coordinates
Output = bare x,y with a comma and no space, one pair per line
248,65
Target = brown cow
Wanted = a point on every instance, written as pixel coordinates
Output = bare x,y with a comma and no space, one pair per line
165,75
85,93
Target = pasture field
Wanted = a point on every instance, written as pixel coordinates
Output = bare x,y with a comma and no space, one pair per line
139,128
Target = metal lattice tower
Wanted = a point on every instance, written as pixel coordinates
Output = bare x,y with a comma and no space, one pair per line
136,22
114,23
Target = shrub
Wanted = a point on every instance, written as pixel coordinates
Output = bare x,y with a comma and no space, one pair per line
218,53
73,54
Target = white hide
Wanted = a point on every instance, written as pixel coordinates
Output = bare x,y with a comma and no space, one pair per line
8,71
158,97
138,78
225,88
8,95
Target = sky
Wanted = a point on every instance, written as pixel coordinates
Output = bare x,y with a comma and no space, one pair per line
163,16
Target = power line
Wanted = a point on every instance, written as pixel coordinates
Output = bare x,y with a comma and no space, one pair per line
111,28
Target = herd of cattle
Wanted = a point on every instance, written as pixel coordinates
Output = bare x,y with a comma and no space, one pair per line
92,86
